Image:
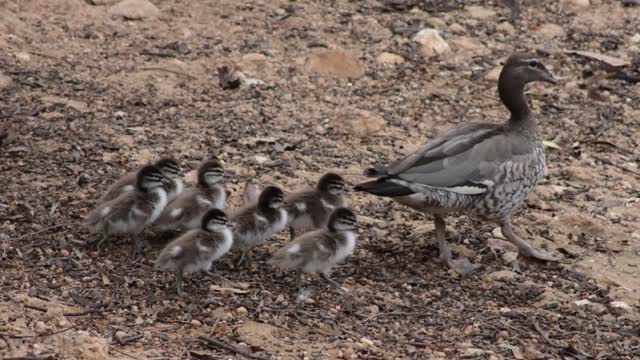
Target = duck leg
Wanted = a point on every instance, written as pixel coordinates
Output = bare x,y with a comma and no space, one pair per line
524,248
335,285
462,266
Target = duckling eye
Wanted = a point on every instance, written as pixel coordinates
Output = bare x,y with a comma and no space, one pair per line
533,63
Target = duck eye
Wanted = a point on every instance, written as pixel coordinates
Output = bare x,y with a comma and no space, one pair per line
533,63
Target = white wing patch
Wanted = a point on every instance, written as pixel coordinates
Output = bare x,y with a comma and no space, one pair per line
105,210
203,248
463,189
301,206
128,188
204,202
176,212
293,248
175,251
261,218
327,205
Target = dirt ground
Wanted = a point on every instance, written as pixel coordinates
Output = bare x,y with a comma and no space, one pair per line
93,88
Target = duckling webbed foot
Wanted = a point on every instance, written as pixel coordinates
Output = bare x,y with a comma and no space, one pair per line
341,290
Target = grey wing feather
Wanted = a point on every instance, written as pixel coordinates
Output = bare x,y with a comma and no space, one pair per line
466,157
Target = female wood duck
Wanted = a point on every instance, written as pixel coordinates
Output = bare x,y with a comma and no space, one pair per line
481,169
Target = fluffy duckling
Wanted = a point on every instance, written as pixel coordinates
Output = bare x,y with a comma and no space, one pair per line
132,211
186,211
127,183
197,249
311,209
258,222
318,251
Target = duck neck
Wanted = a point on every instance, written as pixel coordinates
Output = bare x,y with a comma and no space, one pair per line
512,96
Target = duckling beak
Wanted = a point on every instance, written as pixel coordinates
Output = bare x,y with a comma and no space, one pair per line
231,225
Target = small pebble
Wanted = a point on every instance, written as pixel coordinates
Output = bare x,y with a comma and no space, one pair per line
242,311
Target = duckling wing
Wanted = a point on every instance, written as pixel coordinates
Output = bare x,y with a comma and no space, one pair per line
463,160
314,246
126,183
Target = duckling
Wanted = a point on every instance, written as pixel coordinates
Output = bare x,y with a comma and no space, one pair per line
127,183
186,211
258,222
482,169
311,209
132,211
197,249
318,251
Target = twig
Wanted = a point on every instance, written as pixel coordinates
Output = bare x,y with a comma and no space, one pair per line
543,334
39,231
397,313
124,353
231,348
608,162
43,335
169,71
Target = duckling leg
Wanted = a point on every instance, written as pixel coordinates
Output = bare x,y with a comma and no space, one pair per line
299,281
523,247
179,272
102,239
218,277
335,285
461,266
245,258
292,233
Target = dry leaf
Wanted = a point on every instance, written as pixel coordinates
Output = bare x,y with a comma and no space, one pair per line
550,144
223,289
105,280
609,60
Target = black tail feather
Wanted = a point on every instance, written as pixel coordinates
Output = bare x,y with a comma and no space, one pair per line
384,187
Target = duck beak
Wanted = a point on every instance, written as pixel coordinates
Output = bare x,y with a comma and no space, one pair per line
547,77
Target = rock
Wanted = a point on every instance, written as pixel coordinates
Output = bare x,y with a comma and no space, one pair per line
366,342
358,122
497,233
621,305
598,309
501,275
23,56
349,354
502,335
480,12
505,27
531,353
337,63
81,345
134,10
40,327
77,105
387,58
578,173
120,335
465,43
458,29
471,351
576,5
583,302
5,81
242,311
577,223
259,159
431,43
195,322
436,23
635,39
493,74
550,31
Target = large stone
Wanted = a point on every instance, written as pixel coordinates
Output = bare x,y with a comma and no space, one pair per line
134,10
358,122
5,81
387,58
576,5
550,31
480,12
465,43
493,74
431,43
337,63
